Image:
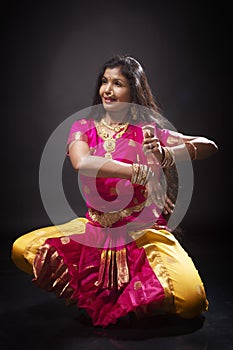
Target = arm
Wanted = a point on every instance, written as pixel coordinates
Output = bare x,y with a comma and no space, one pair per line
89,165
198,147
201,147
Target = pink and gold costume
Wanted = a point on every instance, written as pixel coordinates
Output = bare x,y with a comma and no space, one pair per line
113,262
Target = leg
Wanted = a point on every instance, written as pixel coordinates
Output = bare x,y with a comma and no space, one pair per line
183,287
25,247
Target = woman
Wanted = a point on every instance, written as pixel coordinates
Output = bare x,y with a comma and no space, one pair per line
122,258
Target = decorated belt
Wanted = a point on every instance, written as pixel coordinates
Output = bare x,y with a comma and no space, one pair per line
108,219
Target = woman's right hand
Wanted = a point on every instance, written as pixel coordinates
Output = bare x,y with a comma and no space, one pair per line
151,145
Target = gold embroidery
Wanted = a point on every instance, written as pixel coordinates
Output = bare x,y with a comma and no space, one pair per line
86,189
77,135
113,272
132,143
122,267
108,219
137,285
65,240
156,213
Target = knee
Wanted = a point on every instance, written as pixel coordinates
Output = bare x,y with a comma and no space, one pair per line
17,256
194,305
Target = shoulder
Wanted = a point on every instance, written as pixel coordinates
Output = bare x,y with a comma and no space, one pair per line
82,124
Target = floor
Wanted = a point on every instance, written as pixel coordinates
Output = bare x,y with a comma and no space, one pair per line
34,319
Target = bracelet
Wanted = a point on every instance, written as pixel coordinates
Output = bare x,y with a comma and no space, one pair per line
140,174
193,151
169,157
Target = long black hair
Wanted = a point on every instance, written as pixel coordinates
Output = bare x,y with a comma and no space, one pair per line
140,91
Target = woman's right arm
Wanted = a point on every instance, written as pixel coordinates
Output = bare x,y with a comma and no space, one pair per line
95,166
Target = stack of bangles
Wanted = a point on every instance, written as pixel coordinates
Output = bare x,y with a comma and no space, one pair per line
142,173
168,157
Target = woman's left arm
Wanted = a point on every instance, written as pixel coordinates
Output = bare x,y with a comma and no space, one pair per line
198,147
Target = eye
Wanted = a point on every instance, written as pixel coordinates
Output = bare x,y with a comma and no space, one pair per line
118,83
104,80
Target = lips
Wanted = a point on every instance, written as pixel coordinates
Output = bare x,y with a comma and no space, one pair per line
109,99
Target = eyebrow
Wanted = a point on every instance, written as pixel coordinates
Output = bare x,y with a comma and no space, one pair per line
104,76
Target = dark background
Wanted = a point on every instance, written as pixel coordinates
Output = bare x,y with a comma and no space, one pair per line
51,55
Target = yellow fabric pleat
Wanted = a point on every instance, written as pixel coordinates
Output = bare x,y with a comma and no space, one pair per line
183,287
24,248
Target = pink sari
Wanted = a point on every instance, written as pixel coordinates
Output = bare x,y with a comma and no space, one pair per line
104,270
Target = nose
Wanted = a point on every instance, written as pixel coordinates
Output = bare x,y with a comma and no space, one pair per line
108,89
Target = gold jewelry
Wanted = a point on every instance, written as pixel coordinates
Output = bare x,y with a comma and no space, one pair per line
116,128
141,173
109,146
169,157
133,113
193,151
110,141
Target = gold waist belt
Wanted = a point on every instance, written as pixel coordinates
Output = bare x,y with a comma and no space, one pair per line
108,219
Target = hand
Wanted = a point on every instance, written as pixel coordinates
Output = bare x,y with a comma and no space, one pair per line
152,146
156,193
168,206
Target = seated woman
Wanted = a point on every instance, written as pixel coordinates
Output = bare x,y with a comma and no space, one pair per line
122,257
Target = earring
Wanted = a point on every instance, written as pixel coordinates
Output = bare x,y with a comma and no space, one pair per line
133,113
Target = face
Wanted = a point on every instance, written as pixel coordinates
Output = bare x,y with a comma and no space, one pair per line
114,88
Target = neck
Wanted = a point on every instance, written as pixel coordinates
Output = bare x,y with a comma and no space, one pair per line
116,117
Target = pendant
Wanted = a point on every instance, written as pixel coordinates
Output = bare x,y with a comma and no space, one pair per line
109,145
108,155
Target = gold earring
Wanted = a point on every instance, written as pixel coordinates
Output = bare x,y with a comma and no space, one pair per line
134,113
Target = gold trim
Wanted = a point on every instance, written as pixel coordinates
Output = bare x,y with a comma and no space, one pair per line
108,219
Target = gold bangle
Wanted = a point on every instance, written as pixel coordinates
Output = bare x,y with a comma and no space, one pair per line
140,174
169,157
194,149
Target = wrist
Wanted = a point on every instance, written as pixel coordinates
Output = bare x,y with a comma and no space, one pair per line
168,157
140,174
192,149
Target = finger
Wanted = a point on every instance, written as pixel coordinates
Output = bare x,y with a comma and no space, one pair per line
147,140
168,207
147,148
170,202
149,129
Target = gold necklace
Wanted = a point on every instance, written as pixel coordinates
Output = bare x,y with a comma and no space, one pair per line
116,128
109,141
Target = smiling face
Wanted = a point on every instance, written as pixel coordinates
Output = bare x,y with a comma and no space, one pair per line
115,88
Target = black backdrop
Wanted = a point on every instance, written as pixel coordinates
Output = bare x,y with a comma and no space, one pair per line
51,54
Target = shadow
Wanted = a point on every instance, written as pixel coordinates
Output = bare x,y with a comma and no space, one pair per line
146,328
52,324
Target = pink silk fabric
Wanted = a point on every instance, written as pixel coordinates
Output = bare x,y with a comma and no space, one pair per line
104,305
128,150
